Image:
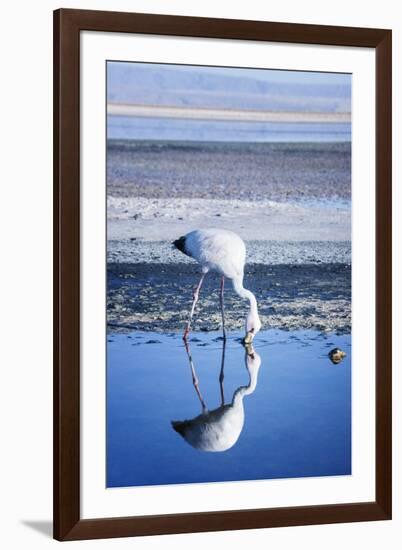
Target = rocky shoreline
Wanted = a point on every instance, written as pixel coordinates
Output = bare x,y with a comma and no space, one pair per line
157,297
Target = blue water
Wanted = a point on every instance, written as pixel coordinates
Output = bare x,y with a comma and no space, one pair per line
123,127
297,421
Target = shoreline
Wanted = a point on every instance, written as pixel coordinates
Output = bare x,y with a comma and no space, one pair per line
289,202
157,297
232,114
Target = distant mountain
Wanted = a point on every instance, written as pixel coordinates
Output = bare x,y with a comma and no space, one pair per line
153,84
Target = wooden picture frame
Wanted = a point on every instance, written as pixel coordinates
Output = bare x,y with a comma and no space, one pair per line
68,24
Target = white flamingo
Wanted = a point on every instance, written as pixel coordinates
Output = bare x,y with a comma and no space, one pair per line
219,429
225,252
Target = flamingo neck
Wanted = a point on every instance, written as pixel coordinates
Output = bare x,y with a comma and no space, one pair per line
246,390
246,294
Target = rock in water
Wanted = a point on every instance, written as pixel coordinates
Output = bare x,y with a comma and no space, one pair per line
336,355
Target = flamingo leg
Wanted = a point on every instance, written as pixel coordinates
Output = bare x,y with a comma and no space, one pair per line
223,307
195,300
195,378
221,374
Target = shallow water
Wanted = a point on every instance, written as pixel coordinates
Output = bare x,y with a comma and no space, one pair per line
128,127
297,409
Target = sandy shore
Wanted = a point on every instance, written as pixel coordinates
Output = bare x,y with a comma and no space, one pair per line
258,252
250,115
279,172
166,219
157,297
289,202
268,192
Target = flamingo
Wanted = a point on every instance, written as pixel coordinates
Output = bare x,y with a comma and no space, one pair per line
225,252
218,430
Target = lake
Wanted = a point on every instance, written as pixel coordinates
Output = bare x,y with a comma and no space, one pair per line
128,127
296,405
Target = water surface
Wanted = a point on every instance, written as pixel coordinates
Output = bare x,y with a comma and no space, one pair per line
297,418
128,127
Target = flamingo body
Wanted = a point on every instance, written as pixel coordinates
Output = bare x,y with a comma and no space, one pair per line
215,249
222,251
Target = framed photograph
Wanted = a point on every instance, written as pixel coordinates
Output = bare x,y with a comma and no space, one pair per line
222,274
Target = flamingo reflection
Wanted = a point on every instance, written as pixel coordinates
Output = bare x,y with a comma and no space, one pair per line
219,429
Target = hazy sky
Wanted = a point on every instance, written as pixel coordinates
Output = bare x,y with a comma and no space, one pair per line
227,87
198,87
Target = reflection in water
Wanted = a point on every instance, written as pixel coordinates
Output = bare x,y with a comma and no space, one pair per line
219,429
298,420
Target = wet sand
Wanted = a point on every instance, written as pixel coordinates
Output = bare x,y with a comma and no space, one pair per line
244,171
157,297
290,202
136,250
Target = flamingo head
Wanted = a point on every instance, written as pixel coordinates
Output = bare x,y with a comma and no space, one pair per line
253,359
253,325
